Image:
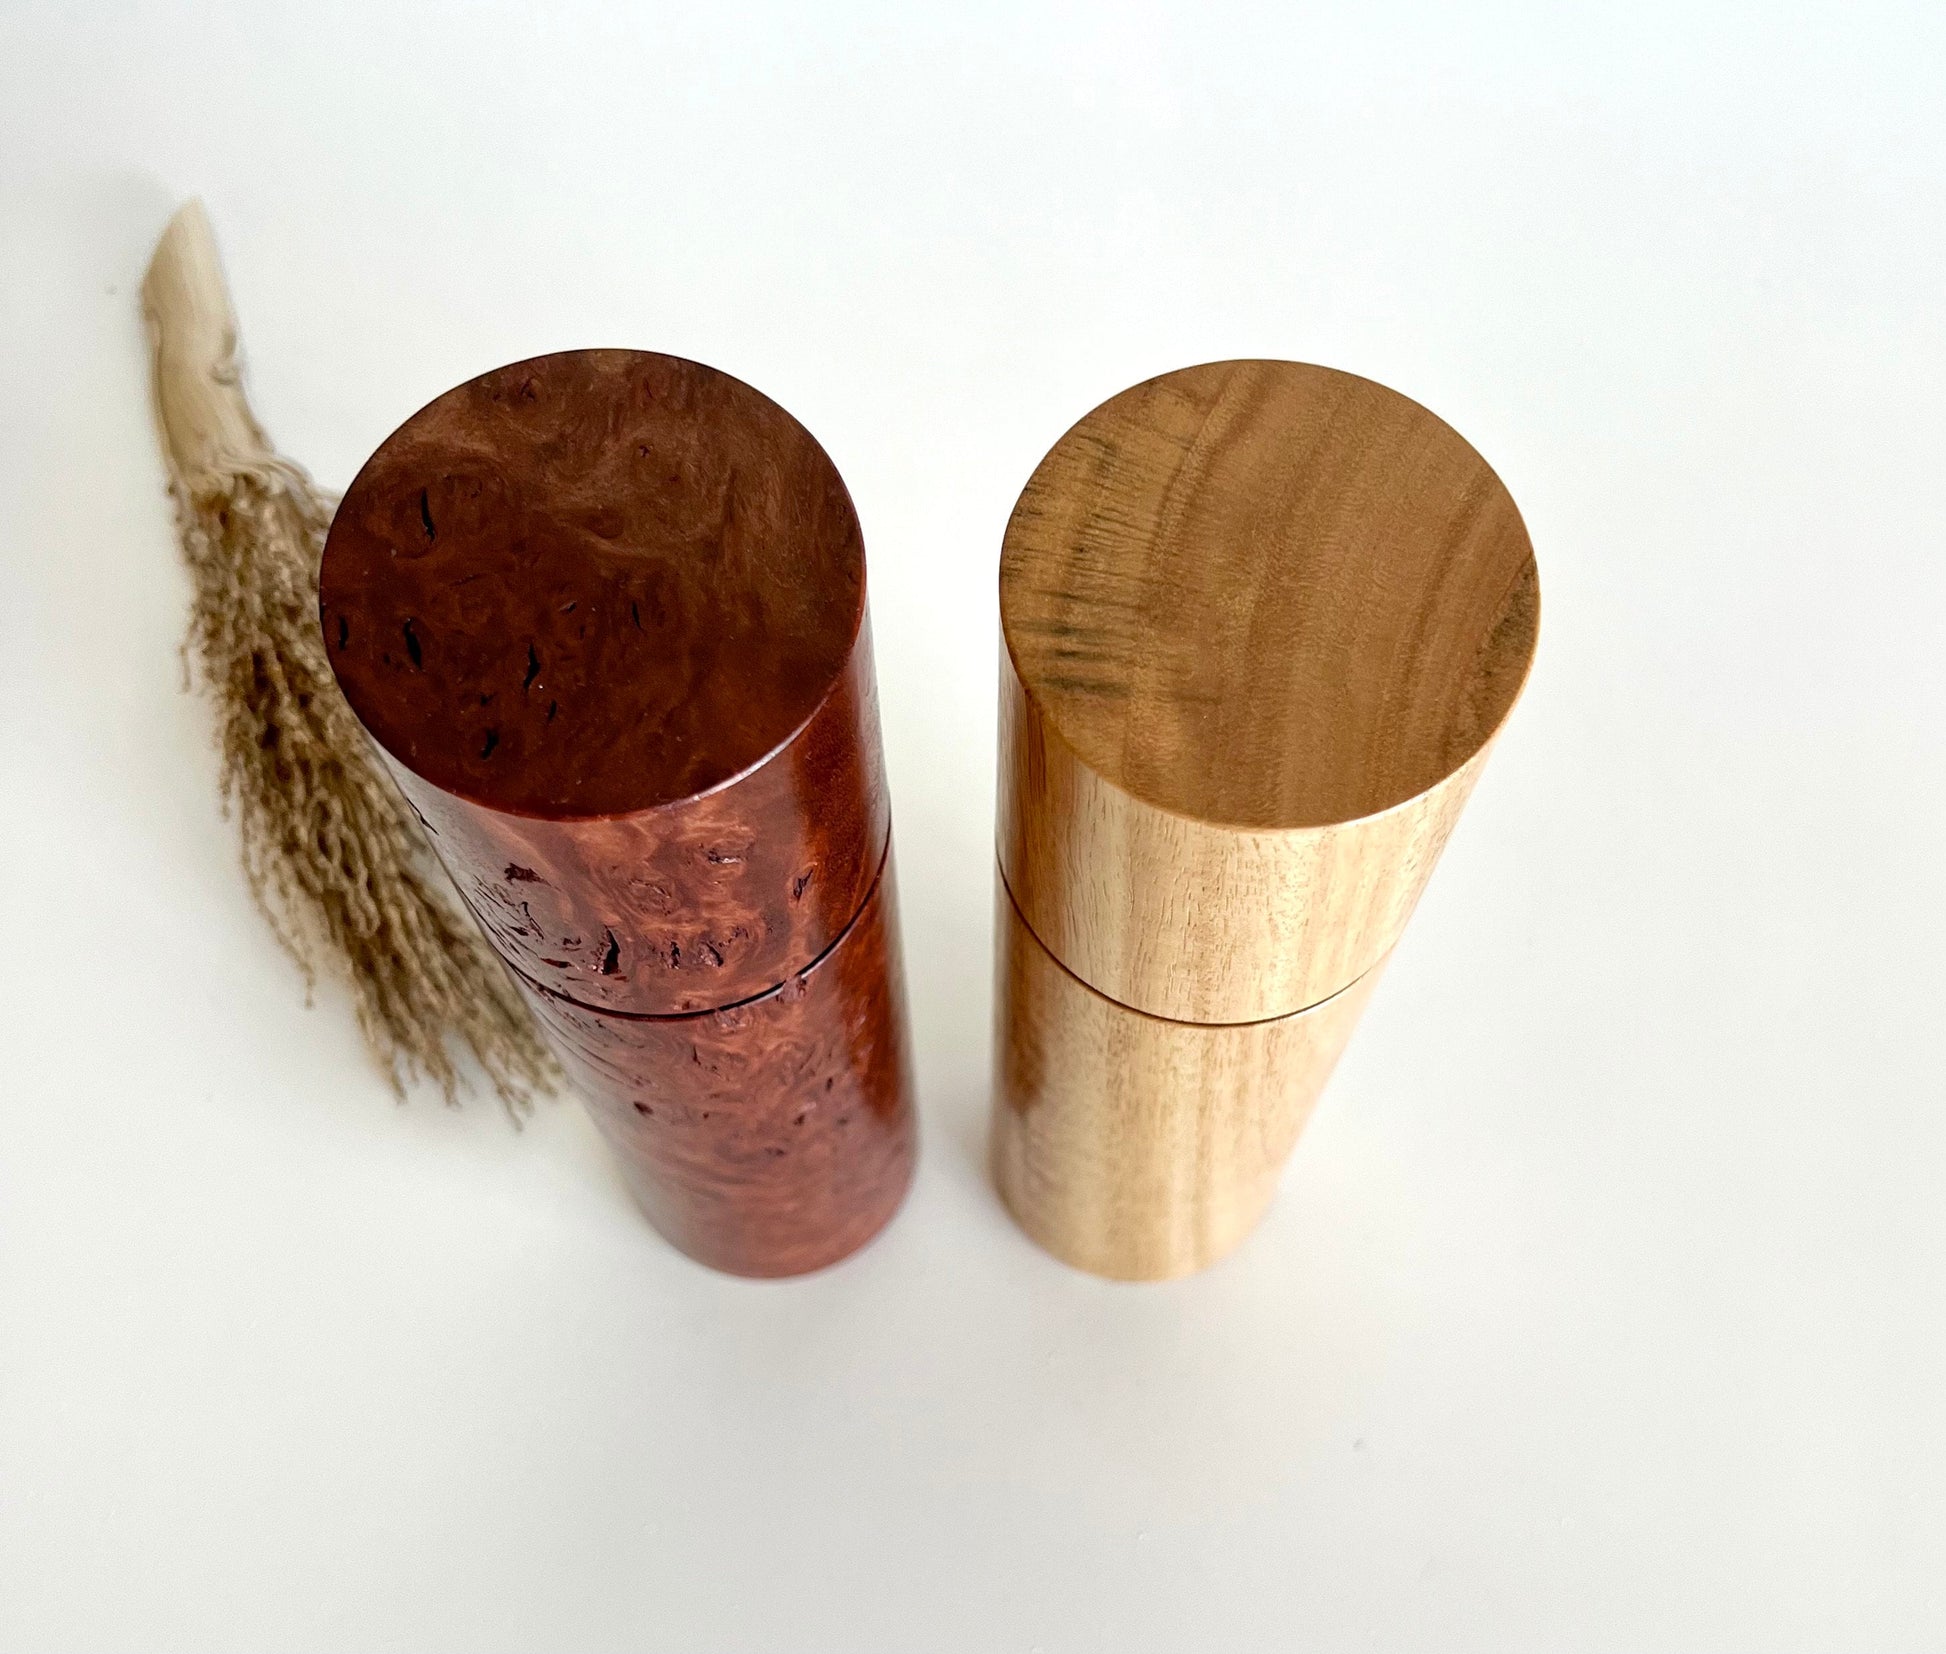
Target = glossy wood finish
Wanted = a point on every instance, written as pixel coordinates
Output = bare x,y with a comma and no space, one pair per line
592,583
689,905
604,613
1262,622
771,1138
1139,1148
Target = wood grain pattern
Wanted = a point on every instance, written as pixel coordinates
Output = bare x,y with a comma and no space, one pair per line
592,583
604,612
689,905
1262,622
1135,1147
773,1137
1198,922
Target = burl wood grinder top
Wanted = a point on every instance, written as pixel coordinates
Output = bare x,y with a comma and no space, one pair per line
604,613
1262,623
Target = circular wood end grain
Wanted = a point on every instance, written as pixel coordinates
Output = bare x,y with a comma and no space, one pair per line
1268,595
592,583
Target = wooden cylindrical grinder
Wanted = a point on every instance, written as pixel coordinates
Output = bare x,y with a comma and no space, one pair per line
1262,624
604,614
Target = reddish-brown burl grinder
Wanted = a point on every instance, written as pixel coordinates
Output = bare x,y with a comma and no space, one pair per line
604,614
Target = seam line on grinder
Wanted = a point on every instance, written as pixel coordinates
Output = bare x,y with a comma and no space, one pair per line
1000,873
831,947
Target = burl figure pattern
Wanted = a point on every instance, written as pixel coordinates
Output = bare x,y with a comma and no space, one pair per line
772,1137
604,613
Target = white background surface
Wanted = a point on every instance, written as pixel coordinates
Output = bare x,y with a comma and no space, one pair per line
1602,1308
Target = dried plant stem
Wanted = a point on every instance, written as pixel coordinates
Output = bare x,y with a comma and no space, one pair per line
334,856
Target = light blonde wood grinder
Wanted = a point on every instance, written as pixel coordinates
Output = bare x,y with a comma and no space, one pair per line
1262,623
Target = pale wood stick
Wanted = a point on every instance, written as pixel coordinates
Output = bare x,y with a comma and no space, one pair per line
206,425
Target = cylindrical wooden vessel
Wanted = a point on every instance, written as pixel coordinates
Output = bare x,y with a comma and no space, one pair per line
1262,623
604,614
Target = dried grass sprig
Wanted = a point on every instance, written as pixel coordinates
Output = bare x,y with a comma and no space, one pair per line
335,858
